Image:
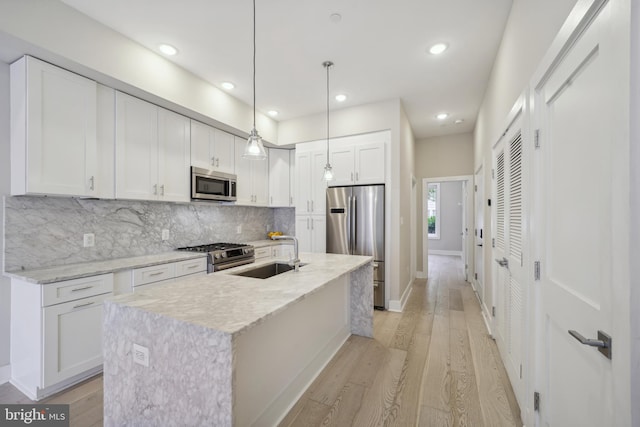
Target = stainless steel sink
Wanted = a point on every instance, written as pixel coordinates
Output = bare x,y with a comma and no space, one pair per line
266,271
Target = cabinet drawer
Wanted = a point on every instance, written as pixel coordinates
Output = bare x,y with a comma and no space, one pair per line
70,290
263,252
184,268
155,273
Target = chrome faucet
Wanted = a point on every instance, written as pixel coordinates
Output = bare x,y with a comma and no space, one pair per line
295,263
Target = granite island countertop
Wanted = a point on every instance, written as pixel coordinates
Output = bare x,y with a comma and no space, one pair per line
48,275
232,304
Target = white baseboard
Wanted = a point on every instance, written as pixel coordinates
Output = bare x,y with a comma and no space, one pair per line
486,316
5,374
420,275
398,305
439,252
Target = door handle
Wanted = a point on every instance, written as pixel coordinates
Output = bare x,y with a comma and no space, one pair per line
92,183
603,342
503,262
355,223
480,245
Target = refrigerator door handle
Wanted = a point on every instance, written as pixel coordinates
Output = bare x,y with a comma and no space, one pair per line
355,224
349,213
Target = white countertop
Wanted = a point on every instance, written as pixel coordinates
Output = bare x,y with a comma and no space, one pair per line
233,304
75,271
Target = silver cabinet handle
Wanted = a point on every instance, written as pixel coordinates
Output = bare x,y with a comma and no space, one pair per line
603,342
218,162
271,199
92,182
156,274
213,161
351,176
312,206
503,262
312,224
192,266
162,190
155,189
84,305
290,201
307,223
84,288
357,179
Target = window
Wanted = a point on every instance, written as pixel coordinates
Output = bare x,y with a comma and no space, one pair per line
433,210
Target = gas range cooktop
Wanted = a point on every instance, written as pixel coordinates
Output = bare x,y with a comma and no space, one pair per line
221,256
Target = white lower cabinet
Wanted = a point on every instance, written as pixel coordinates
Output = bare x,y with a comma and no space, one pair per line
311,231
144,277
72,338
56,333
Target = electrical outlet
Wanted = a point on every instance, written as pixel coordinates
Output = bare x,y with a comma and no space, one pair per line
239,229
89,240
165,234
141,355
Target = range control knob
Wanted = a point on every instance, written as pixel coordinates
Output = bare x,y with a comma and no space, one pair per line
224,254
217,256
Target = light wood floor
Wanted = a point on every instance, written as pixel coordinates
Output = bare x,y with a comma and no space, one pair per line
432,365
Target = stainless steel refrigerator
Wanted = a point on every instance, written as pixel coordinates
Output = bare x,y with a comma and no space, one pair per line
355,226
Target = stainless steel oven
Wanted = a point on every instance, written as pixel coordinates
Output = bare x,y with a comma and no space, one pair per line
212,185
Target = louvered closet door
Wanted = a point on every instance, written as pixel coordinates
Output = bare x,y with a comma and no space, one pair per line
509,223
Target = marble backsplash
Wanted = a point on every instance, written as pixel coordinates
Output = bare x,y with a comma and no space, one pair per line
47,231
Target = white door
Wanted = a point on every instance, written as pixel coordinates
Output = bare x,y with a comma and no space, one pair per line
584,222
244,191
279,177
342,159
302,180
201,144
479,231
303,233
260,181
509,253
223,151
318,185
318,234
369,163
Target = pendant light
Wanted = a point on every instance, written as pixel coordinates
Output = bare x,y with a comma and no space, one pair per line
328,171
254,148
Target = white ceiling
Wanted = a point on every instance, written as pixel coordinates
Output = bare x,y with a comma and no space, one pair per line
379,49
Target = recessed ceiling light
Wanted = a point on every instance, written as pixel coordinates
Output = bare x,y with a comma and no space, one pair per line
438,48
442,116
272,113
228,85
341,97
459,121
167,49
335,17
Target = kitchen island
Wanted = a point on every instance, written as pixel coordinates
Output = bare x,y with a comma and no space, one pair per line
229,350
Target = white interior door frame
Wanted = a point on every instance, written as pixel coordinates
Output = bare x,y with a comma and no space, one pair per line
467,247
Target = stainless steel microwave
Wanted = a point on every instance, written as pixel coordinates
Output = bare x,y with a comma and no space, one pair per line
212,185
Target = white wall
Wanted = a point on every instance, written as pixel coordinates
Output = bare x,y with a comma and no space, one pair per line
59,34
440,156
363,119
450,218
5,289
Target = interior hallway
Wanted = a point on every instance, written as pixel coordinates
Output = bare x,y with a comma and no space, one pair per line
432,365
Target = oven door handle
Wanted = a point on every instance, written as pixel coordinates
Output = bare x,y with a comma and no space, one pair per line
227,265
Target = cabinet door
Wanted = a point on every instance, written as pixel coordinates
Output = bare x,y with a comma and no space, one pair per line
243,171
61,145
303,233
318,234
201,144
260,180
292,177
279,182
72,338
342,162
174,156
223,151
369,163
302,180
318,184
136,148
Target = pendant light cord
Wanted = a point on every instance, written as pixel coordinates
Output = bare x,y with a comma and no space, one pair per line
254,64
328,113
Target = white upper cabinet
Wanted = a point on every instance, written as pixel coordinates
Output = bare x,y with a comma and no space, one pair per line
279,178
358,160
212,148
152,152
252,178
310,195
54,145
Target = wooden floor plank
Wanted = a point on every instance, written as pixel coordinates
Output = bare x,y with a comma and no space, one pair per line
346,406
431,417
405,408
465,401
436,382
312,414
379,397
455,300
